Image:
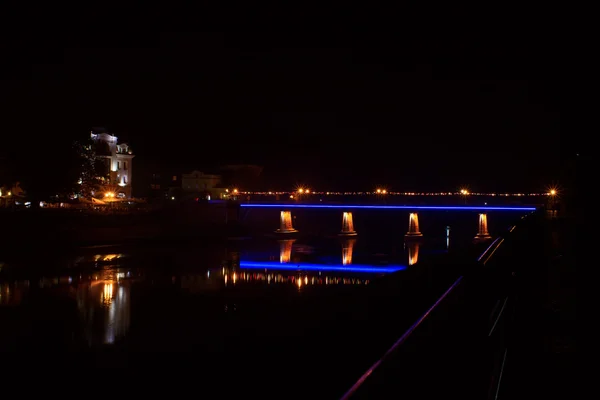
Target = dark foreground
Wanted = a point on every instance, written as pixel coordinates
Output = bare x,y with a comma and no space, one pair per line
165,311
507,331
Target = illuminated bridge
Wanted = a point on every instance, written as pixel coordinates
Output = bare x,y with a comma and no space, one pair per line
286,221
389,207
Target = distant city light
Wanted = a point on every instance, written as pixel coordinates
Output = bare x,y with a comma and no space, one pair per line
552,192
380,191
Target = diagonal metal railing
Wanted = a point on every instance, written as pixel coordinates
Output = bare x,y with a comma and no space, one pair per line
484,261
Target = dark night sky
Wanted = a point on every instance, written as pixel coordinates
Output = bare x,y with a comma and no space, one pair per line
390,102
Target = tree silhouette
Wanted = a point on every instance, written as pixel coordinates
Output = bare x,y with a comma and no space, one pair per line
90,168
51,169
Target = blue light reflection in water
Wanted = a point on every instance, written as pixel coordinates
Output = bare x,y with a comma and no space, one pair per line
375,269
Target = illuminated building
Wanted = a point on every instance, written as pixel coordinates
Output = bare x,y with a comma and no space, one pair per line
118,159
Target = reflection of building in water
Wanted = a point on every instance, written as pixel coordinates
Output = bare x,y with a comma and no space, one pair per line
285,250
12,294
347,249
105,307
5,294
98,259
107,257
413,252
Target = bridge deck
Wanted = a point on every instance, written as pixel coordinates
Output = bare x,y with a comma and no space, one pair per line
387,207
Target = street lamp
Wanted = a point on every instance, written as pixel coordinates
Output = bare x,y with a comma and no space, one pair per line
553,194
465,193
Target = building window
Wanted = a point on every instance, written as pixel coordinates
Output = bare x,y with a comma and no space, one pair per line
118,165
124,165
174,177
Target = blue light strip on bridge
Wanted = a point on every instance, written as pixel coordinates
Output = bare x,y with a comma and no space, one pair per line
374,207
321,267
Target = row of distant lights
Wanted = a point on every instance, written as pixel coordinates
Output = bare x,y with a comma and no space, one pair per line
383,192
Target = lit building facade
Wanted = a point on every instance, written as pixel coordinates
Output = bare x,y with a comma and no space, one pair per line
118,158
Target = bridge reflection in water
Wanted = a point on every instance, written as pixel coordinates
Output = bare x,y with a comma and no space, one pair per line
413,252
286,263
347,250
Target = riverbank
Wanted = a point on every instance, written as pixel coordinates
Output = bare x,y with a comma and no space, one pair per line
48,230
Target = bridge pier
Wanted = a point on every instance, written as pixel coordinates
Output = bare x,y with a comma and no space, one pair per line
285,250
347,225
285,223
482,233
413,226
347,249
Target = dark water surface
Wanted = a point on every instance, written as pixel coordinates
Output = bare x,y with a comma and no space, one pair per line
196,306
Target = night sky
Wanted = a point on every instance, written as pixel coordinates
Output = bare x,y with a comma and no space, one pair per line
393,103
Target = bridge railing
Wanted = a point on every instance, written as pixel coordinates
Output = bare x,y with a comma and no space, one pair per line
458,346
